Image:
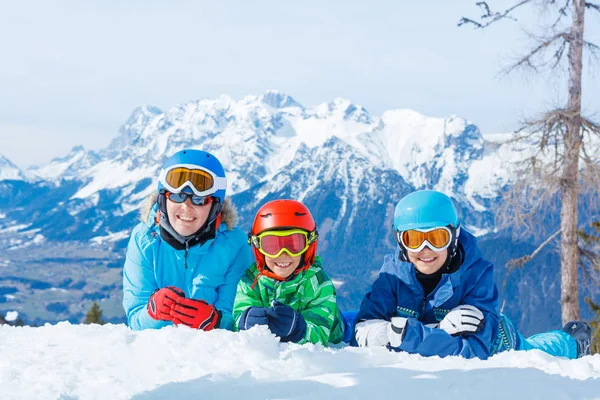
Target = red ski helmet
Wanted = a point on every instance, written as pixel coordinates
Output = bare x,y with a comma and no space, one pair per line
283,215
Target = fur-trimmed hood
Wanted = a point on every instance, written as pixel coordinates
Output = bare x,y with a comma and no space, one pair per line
228,213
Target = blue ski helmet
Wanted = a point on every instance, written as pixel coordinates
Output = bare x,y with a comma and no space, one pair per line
425,209
195,170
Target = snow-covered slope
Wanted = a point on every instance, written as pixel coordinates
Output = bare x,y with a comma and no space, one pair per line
72,166
110,362
9,171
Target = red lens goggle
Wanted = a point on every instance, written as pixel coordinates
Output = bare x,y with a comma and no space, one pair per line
273,243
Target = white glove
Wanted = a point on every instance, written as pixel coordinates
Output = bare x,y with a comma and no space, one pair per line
378,332
397,331
372,332
463,319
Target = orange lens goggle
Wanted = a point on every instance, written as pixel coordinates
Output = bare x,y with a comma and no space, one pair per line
413,240
202,182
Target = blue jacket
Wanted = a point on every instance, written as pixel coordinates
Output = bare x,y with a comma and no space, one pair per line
212,273
397,292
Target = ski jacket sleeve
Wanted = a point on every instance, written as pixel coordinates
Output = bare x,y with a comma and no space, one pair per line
483,294
381,301
323,318
139,281
227,291
248,295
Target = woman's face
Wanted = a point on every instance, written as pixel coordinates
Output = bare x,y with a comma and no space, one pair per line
185,217
428,261
284,265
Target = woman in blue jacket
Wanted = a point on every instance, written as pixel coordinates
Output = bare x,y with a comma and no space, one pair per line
185,258
436,295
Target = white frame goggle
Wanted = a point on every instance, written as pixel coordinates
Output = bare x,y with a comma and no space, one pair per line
426,242
219,183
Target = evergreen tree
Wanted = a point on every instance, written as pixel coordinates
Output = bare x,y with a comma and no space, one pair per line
591,255
595,324
94,316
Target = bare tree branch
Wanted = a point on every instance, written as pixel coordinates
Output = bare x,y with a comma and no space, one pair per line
492,16
519,262
527,60
589,4
592,47
562,12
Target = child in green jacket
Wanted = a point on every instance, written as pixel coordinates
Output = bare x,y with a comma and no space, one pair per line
287,288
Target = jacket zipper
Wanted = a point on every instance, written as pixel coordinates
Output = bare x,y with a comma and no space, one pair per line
187,249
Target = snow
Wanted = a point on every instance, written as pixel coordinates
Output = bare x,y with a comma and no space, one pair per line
14,228
8,170
337,283
477,231
111,237
109,174
39,239
11,316
111,362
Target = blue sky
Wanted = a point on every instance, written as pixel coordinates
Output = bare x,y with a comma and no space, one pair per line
72,71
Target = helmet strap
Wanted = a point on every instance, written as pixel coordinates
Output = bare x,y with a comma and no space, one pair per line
403,254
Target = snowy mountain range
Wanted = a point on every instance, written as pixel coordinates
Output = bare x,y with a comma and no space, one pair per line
64,240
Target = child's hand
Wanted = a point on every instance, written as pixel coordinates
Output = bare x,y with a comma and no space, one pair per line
379,332
253,316
286,323
462,320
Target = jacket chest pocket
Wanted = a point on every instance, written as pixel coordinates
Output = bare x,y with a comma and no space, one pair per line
406,312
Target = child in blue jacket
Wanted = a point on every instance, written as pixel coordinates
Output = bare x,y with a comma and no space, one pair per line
436,295
184,260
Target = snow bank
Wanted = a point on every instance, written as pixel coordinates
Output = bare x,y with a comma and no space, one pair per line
111,362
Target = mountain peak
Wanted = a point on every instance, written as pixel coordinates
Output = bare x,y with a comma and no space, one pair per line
9,171
277,99
344,108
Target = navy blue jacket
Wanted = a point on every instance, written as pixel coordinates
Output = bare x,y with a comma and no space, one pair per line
397,292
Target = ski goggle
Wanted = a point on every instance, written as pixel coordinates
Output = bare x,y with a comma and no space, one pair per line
415,240
182,196
202,181
273,243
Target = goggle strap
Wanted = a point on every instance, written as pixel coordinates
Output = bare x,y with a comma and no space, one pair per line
253,240
313,236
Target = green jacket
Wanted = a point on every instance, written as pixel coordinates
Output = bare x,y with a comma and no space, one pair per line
311,293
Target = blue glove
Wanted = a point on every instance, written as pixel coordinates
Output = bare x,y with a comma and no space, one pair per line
253,316
286,323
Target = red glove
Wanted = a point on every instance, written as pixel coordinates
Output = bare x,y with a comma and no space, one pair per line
161,301
196,314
